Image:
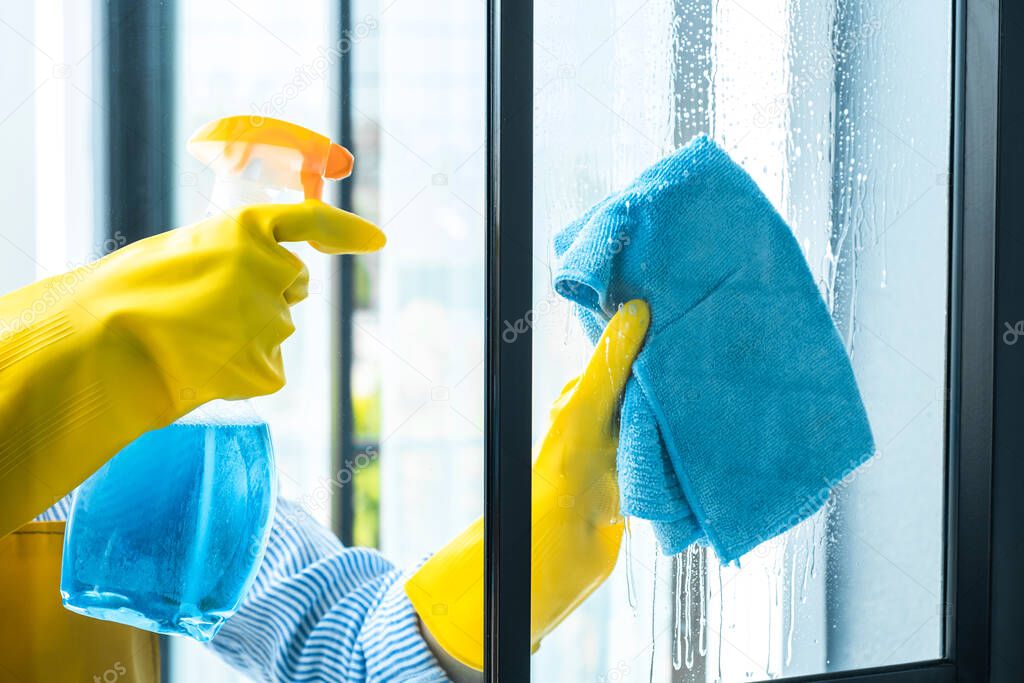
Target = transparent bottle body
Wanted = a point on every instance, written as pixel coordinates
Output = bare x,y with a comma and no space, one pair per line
168,535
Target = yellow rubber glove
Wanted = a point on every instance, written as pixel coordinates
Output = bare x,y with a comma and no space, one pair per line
576,528
91,359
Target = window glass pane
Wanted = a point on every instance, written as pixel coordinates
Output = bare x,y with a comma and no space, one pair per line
840,113
419,85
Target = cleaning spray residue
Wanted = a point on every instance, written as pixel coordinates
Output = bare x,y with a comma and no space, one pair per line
677,612
721,622
654,614
702,642
688,613
634,604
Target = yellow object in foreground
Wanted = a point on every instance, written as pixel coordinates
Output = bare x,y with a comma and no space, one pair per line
576,528
40,641
91,359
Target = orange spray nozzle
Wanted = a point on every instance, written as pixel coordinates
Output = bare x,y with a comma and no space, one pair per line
289,155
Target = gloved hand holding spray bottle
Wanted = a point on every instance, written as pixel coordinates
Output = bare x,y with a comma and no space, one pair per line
168,535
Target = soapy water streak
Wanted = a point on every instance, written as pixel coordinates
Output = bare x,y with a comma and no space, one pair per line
698,639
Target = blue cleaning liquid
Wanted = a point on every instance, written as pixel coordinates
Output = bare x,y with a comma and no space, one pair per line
168,536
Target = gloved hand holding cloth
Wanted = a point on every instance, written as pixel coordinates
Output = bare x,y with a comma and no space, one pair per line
91,359
742,412
576,527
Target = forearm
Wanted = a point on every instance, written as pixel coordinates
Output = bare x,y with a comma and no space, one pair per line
323,612
72,393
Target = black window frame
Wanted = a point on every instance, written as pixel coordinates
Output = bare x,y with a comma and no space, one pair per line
508,366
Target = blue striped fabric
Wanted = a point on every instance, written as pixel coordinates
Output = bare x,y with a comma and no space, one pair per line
320,612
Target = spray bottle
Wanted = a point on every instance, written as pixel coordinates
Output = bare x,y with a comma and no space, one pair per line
168,536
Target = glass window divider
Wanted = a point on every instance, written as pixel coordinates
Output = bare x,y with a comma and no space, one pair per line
508,366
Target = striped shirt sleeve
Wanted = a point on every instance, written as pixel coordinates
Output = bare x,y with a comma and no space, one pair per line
319,612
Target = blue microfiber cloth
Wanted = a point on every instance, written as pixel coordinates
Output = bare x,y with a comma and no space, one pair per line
743,411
